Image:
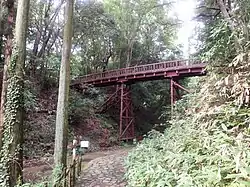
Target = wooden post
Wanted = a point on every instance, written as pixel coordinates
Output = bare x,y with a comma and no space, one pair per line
74,149
69,177
65,177
80,166
73,173
79,162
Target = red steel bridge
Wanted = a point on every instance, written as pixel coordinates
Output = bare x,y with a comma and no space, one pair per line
123,78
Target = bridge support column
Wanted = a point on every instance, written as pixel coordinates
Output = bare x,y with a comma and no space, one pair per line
127,123
175,94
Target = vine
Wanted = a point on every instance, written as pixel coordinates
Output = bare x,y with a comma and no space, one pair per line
10,152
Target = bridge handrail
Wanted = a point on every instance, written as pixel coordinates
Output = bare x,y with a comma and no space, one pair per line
139,69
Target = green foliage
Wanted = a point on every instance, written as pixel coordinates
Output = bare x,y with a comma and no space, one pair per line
29,95
85,120
83,105
191,153
94,42
150,100
208,142
7,154
50,182
140,29
12,138
131,32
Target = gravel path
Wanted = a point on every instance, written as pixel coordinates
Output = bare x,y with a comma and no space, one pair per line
106,171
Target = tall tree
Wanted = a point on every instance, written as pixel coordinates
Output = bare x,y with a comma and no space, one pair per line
133,17
116,32
1,51
1,29
12,152
44,31
61,140
7,57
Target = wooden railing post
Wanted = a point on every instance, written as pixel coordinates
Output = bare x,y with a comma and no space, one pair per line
65,177
74,173
79,166
69,177
74,149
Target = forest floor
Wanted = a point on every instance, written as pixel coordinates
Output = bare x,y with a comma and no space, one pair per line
101,133
102,168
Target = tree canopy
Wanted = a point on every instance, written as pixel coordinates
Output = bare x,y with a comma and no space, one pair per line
204,141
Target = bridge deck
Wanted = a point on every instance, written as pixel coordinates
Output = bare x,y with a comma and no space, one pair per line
163,70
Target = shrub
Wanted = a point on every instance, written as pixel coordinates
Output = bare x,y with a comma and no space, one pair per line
195,153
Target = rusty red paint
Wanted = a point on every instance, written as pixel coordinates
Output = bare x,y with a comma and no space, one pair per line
167,69
126,114
123,78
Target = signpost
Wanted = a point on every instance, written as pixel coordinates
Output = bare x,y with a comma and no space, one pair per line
85,144
79,147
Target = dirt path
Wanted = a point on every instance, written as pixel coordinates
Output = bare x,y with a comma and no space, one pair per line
105,171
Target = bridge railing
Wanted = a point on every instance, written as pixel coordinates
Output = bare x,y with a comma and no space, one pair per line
139,69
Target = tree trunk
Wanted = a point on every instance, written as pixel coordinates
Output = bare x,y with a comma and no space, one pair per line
11,152
130,50
1,10
230,25
7,55
1,28
1,60
129,55
61,137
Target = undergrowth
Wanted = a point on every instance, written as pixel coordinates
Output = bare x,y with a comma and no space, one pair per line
52,181
200,149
